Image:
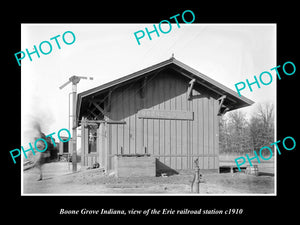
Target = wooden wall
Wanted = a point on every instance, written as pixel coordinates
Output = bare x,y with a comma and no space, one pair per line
176,143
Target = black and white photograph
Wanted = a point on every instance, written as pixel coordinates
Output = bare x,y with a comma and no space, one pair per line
162,117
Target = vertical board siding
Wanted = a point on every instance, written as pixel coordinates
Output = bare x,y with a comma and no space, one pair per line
210,136
157,94
176,143
216,134
114,129
166,83
120,130
125,104
205,132
195,124
172,126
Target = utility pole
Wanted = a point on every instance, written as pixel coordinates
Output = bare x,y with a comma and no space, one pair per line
75,80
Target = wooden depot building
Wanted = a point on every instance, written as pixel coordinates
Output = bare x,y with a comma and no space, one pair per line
168,111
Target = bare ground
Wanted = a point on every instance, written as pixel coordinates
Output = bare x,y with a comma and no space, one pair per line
58,179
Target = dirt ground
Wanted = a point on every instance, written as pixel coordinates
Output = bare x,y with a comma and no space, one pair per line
59,179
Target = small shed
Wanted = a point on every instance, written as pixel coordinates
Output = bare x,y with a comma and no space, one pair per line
169,111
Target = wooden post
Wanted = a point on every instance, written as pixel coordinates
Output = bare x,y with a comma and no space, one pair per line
106,148
82,142
190,88
74,128
221,100
102,145
99,108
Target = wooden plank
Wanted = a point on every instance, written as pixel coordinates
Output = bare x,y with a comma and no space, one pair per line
178,144
105,147
194,142
112,161
108,153
82,144
167,139
166,114
156,137
135,166
185,130
145,122
180,133
114,128
190,88
216,138
126,100
220,100
189,136
183,155
139,124
210,129
120,127
184,142
116,122
205,165
116,110
96,122
201,131
150,122
167,95
102,146
150,136
178,125
174,107
206,130
98,144
86,143
173,142
96,116
173,122
156,124
145,135
211,162
99,108
132,128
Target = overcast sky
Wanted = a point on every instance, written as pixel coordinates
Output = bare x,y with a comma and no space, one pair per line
228,53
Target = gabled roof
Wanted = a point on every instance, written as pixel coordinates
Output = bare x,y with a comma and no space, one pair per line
236,100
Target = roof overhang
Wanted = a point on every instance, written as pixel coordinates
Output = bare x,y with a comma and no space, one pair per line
235,101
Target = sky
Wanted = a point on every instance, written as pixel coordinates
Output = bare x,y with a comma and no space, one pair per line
228,53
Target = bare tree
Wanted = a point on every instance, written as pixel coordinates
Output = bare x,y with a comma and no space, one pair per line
237,134
256,130
262,126
224,134
266,113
